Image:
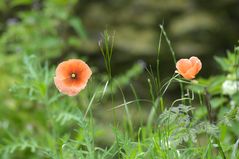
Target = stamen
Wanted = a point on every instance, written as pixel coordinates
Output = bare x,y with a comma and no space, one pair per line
73,75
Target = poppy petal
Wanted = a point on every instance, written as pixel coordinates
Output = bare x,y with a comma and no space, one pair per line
183,65
188,76
197,62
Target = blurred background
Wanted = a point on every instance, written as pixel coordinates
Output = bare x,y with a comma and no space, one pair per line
56,30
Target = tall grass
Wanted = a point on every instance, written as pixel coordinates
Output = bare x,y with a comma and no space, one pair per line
59,127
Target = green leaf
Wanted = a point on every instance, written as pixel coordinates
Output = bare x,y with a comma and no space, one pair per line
222,62
3,5
217,102
78,27
15,3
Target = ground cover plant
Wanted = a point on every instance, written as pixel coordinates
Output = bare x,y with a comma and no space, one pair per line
202,123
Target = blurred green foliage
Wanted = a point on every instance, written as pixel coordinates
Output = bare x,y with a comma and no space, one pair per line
110,118
43,31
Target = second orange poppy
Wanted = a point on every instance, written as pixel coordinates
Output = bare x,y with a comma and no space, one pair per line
189,68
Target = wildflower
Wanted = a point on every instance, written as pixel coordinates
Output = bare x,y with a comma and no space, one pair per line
188,68
72,76
230,87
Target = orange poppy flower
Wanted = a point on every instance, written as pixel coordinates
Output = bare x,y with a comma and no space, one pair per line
72,76
189,68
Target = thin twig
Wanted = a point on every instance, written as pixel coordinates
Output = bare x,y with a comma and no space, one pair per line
208,105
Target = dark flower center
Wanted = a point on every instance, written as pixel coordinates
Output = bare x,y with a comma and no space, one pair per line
73,76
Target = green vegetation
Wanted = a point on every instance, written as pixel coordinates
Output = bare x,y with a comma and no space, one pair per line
111,118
